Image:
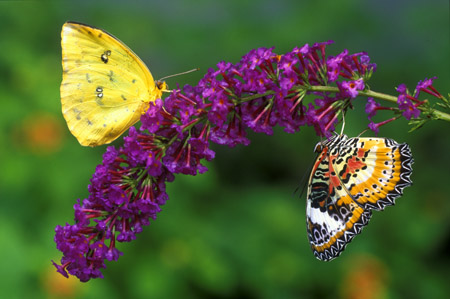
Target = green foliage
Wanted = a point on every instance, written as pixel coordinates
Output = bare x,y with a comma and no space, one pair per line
237,230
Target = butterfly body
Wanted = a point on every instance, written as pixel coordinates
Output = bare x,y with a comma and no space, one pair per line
105,87
350,178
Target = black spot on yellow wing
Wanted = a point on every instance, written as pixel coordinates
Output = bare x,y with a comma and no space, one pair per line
105,56
77,112
111,76
99,91
99,98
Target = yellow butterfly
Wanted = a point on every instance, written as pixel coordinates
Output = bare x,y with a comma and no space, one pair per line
105,87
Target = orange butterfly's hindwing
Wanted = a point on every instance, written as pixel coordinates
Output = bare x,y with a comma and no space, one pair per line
351,177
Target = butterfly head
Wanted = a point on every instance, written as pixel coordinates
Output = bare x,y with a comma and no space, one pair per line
161,85
319,147
330,142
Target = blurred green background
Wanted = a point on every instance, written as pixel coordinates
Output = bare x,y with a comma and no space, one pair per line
237,231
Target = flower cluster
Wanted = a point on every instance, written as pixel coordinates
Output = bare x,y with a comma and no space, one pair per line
408,105
265,89
126,191
262,90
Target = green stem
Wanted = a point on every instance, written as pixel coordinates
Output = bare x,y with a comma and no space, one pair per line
255,96
381,96
377,95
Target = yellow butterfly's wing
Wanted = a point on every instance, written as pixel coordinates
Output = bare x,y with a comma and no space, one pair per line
105,86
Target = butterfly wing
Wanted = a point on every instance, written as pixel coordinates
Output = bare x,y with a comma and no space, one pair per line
333,218
105,86
350,177
374,170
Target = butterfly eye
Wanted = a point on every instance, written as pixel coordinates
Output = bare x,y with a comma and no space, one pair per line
161,85
105,56
318,148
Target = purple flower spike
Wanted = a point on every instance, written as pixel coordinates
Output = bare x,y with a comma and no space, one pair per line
125,192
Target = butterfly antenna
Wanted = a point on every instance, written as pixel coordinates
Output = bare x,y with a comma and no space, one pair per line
183,73
363,132
343,122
